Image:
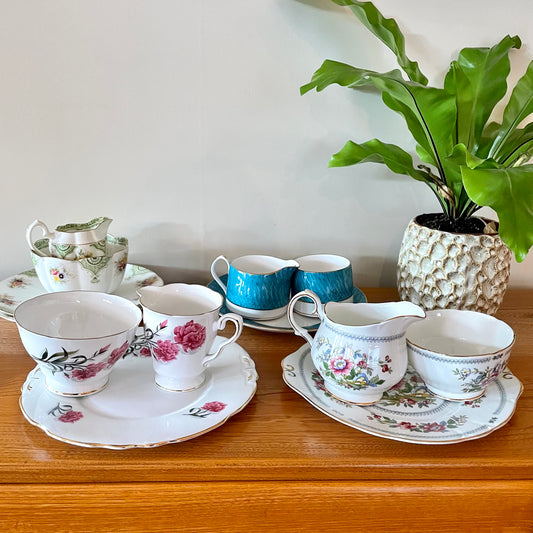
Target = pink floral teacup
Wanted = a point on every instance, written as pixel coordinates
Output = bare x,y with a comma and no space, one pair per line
76,337
181,323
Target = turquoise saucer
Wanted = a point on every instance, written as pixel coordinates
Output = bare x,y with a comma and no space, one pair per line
281,324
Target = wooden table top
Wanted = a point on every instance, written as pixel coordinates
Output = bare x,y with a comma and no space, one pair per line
278,437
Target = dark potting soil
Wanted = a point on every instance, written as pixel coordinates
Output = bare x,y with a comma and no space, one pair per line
440,221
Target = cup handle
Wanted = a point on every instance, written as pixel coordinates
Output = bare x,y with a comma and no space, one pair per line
221,324
318,310
29,231
215,275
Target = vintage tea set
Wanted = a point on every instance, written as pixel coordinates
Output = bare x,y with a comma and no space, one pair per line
78,330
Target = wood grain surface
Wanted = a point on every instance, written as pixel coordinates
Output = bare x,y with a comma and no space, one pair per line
279,463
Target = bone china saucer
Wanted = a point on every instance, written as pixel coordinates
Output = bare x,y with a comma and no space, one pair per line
133,412
408,412
21,287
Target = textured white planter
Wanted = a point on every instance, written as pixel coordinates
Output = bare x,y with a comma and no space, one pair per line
442,270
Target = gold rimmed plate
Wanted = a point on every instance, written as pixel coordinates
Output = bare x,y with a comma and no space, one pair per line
25,285
409,412
133,412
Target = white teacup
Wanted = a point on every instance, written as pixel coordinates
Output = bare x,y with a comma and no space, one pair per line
76,337
181,323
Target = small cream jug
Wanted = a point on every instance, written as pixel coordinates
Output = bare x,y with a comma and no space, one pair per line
257,286
359,349
73,241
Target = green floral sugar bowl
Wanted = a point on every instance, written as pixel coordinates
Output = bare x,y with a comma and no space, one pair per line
359,349
102,273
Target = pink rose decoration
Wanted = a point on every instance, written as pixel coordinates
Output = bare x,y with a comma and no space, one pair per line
166,351
89,371
145,352
434,427
214,407
191,336
406,425
71,416
116,354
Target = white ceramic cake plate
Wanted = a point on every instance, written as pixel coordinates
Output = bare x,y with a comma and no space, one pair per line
281,324
408,412
133,412
25,285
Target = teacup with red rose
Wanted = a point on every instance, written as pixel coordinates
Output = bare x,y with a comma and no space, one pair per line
181,324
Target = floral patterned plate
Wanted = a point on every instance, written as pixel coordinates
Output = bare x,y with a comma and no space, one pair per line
133,412
281,324
26,285
408,412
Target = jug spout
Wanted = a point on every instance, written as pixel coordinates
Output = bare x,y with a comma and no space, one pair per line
102,226
180,299
287,269
374,319
92,231
291,263
290,266
407,313
149,295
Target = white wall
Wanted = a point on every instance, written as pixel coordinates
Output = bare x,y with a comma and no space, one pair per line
183,122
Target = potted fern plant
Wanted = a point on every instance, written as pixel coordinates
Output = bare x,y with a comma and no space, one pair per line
452,258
